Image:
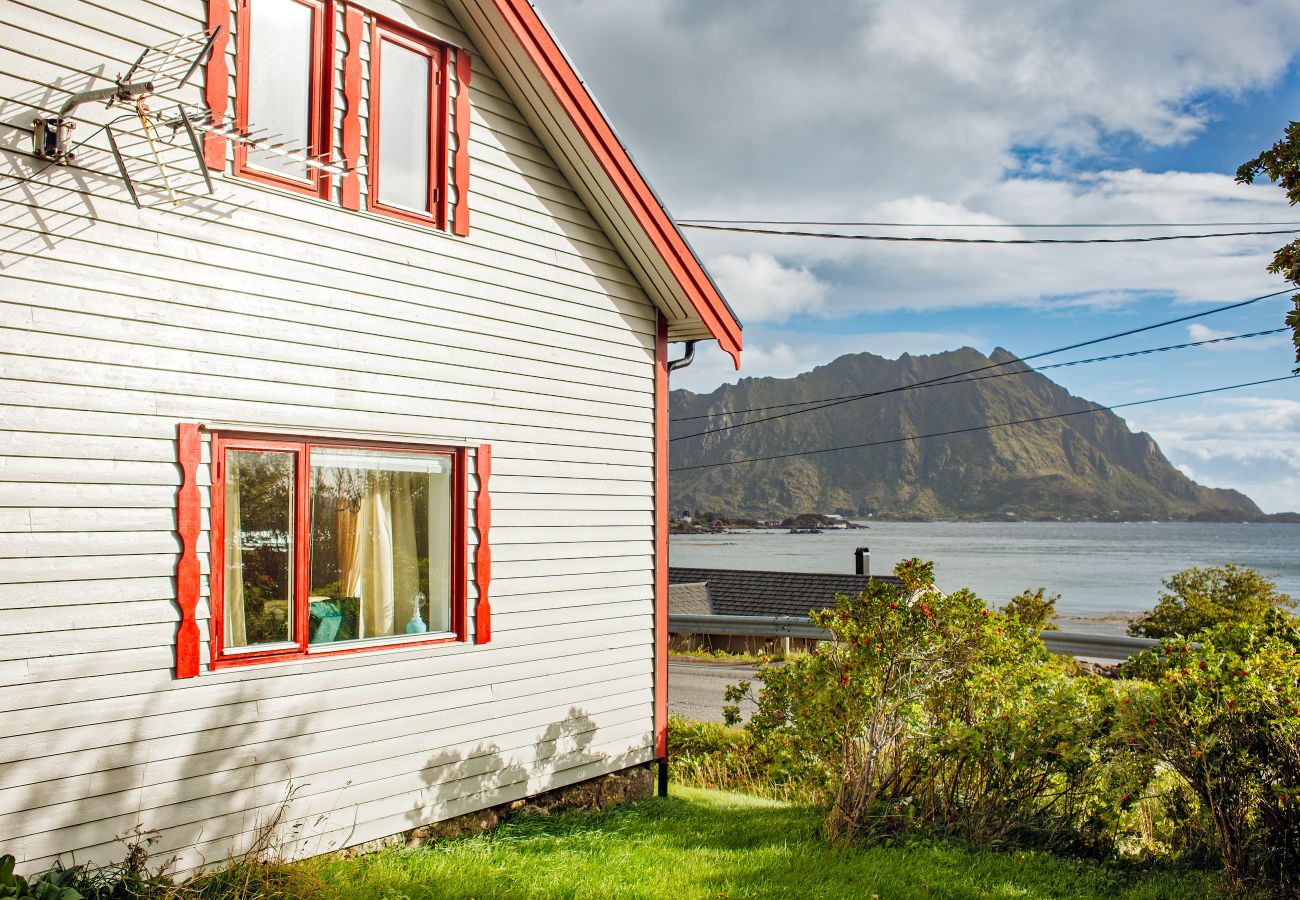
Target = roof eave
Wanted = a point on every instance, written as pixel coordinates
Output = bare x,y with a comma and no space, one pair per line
544,84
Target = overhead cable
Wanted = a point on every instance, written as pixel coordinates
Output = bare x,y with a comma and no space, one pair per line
1075,346
689,223
931,239
934,434
1025,371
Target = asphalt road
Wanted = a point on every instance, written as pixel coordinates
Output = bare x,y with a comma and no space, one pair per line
695,689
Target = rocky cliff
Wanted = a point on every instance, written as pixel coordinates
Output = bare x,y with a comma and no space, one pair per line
1077,467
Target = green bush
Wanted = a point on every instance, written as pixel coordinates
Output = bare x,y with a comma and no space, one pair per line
1196,599
57,884
1034,609
1224,717
929,711
722,757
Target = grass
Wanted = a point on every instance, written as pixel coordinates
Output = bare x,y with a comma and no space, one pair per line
717,655
708,844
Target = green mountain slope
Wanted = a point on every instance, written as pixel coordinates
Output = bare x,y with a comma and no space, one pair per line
1080,467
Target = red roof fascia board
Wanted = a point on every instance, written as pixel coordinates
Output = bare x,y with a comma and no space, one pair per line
546,55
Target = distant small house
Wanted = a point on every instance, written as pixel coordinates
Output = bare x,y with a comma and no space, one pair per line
743,592
689,599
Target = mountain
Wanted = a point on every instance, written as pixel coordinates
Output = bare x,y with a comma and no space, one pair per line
1077,467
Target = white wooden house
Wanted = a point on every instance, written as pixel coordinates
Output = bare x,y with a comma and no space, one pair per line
344,481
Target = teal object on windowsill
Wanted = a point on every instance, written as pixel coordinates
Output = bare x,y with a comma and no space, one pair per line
416,625
334,619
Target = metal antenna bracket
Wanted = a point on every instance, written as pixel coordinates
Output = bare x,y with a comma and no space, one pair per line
52,136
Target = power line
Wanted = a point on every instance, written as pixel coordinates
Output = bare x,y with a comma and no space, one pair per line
919,437
690,223
828,402
901,239
1025,371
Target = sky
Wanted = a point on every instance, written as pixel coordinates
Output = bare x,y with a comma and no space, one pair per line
979,112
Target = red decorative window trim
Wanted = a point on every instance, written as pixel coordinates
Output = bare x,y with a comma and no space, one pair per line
188,526
216,82
483,555
382,30
301,448
460,223
350,192
320,113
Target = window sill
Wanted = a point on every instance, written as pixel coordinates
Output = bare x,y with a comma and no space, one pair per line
406,642
409,224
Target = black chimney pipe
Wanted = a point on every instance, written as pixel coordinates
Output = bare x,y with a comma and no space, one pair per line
862,560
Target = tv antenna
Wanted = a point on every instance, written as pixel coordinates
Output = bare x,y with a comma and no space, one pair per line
160,70
166,67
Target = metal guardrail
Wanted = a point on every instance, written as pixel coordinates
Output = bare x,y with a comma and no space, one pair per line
1063,643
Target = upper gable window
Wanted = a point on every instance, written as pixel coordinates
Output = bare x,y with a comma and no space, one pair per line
408,126
280,81
394,97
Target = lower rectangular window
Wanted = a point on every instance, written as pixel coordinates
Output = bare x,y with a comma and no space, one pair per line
328,546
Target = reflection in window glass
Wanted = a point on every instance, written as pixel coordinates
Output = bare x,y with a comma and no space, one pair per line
279,81
259,547
380,544
404,127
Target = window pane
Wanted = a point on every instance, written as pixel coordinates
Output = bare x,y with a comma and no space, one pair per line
403,127
259,547
279,81
380,544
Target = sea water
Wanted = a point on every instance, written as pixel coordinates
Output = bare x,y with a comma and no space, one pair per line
1104,572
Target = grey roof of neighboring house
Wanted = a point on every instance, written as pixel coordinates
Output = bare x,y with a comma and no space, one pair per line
742,592
689,599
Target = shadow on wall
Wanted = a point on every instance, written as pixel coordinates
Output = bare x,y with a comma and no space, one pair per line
43,204
455,784
161,761
476,789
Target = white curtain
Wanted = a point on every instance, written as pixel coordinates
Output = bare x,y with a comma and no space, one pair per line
383,567
406,563
235,633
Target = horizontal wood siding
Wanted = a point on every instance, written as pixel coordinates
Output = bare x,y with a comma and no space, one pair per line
259,308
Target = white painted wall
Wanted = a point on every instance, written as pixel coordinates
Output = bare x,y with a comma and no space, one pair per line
274,310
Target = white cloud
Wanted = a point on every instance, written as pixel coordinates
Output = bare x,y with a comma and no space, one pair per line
921,110
760,289
1247,443
1198,332
887,276
770,110
778,353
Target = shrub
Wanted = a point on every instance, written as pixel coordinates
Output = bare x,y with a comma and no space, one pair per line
931,711
1196,599
1034,609
1225,718
53,885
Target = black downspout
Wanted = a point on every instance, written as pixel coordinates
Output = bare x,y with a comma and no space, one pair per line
673,366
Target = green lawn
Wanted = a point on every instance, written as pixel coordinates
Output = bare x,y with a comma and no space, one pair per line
710,844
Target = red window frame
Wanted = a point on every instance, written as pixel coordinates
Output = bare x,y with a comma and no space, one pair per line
301,447
320,113
383,30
